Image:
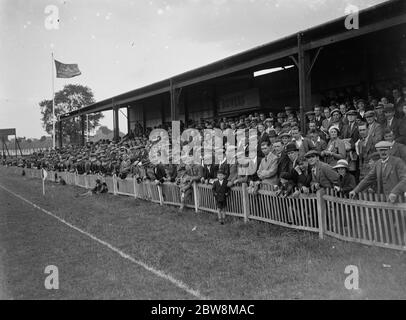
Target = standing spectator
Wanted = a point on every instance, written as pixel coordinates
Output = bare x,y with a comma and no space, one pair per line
375,131
402,127
335,148
326,122
268,168
283,159
336,119
350,136
318,143
361,108
364,149
303,144
346,181
391,122
389,174
323,176
398,101
318,117
397,149
221,191
380,115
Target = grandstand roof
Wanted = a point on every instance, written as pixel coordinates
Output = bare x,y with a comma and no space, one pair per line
379,17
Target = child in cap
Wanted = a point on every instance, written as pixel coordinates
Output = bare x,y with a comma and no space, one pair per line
221,191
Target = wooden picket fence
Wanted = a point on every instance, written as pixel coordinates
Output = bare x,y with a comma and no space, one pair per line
369,220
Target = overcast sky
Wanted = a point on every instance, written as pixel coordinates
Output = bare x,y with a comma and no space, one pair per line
121,45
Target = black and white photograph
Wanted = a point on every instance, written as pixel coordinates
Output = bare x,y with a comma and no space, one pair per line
203,156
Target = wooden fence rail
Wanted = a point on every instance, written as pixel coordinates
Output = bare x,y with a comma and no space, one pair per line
369,220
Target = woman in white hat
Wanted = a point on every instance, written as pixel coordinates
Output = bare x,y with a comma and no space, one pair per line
335,148
346,181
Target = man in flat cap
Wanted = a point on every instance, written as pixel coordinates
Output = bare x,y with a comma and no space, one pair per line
323,176
375,130
391,122
388,173
380,115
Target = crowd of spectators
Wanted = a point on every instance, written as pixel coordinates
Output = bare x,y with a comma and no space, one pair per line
345,146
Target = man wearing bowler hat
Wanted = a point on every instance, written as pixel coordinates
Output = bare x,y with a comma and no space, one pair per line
389,174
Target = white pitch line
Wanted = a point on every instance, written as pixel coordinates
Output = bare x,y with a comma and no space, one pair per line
158,273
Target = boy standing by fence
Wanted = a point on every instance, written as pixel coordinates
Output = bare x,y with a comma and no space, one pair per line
220,191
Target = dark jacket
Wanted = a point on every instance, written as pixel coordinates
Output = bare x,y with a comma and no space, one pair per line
220,191
346,183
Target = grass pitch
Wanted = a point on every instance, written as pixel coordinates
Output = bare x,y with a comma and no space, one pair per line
231,261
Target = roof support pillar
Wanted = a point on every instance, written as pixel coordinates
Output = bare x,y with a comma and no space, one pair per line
175,94
116,127
304,80
60,135
82,130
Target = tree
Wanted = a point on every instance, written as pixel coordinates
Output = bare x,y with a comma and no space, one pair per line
71,97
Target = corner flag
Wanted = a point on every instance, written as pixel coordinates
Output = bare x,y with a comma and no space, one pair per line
44,175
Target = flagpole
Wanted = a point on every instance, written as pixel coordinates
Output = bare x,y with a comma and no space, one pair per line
53,103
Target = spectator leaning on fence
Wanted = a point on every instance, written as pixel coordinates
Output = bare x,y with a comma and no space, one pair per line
346,182
323,176
389,174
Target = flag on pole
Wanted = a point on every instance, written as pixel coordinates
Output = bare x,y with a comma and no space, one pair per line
44,175
66,70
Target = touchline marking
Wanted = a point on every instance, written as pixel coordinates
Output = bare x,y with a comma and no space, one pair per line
159,273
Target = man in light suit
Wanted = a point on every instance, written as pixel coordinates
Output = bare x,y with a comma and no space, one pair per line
389,173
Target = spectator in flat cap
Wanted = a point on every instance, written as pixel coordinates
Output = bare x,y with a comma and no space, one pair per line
380,115
283,159
389,174
375,130
323,175
317,142
397,149
391,122
364,148
398,101
285,137
220,192
302,143
402,128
